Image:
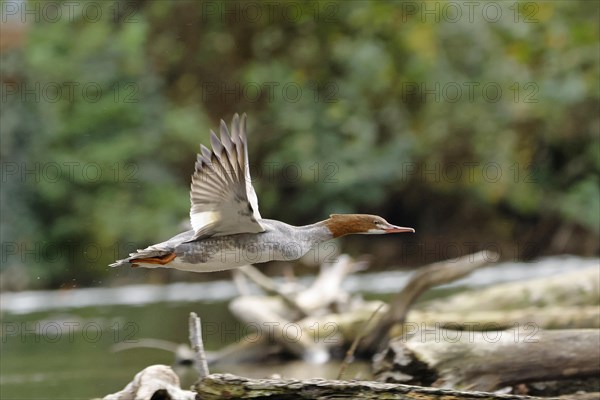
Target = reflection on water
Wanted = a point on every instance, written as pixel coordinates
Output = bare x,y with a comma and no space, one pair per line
57,344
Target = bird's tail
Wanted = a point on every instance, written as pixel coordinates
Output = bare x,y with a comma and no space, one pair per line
150,255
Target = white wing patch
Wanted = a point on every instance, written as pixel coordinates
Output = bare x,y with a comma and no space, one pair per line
222,197
203,218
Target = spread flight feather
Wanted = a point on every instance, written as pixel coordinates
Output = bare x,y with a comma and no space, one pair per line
223,201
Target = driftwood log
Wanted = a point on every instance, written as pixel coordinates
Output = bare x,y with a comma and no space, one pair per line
489,360
287,318
160,382
325,311
572,289
227,386
154,382
565,301
424,279
552,317
575,354
305,322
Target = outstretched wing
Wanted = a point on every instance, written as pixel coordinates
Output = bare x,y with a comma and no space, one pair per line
223,199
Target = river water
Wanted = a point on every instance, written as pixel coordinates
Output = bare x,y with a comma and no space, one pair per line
60,344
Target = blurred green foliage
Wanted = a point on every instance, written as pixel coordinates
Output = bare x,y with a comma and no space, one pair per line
381,107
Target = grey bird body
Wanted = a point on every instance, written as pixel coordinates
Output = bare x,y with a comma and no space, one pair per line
279,241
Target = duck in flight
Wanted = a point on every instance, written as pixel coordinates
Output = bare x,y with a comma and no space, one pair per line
227,228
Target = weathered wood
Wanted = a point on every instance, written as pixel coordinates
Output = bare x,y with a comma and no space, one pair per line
155,381
326,290
424,279
227,386
552,317
572,289
197,345
489,360
271,288
340,329
470,310
269,316
286,317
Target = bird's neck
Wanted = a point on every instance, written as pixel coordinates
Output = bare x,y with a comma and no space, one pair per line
335,226
315,233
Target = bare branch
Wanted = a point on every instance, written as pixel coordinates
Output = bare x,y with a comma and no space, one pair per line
350,353
198,345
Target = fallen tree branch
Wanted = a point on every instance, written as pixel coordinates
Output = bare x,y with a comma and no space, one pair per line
579,317
489,360
326,290
266,313
271,288
424,279
227,386
572,289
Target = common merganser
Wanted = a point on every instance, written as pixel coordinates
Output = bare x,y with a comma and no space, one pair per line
227,229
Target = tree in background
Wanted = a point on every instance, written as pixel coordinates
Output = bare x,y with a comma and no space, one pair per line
464,123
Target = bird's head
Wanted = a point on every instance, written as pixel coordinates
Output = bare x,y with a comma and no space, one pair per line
365,224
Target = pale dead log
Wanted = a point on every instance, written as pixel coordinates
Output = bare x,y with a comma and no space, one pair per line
424,279
554,317
221,386
568,293
285,317
155,381
326,290
267,316
342,329
271,288
572,289
489,360
332,330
